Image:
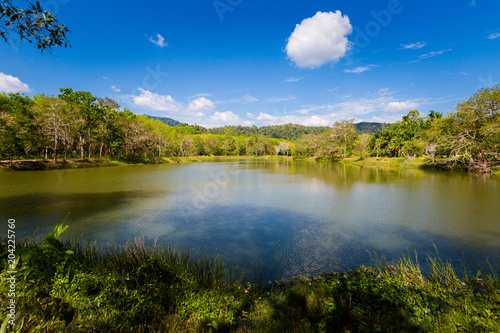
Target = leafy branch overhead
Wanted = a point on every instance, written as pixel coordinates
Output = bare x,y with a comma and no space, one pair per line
32,24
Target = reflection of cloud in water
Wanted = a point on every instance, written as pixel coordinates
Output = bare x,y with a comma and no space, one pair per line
285,243
289,218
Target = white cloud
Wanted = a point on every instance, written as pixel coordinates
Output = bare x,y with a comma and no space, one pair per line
200,95
280,99
381,104
249,115
219,119
494,35
430,55
293,79
242,100
9,83
397,107
359,70
226,117
309,120
414,46
193,111
249,99
156,102
319,40
115,88
160,41
200,104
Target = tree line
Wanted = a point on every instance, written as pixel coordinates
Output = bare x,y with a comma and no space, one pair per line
76,124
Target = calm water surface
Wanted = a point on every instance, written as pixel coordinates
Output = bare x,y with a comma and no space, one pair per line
288,218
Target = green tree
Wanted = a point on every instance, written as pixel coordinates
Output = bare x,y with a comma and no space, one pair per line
344,133
472,131
18,131
54,122
84,105
33,24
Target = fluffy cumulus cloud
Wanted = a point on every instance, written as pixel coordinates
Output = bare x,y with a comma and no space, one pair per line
200,104
199,110
319,40
153,101
227,118
380,106
167,103
397,107
11,84
309,120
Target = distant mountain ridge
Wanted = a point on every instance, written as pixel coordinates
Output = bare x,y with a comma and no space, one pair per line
369,127
168,121
286,131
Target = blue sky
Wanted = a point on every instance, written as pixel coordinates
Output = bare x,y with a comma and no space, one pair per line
232,62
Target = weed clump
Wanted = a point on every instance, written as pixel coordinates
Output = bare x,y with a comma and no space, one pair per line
76,287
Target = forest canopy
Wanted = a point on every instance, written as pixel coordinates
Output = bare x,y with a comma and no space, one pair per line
76,124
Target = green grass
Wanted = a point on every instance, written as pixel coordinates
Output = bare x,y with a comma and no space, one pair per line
80,287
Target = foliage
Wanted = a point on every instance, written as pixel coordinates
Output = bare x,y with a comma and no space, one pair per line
369,127
344,134
37,266
167,121
78,124
33,24
473,131
288,132
145,288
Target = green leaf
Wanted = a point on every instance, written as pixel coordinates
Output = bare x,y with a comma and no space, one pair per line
3,328
26,255
51,235
69,252
48,274
71,275
55,243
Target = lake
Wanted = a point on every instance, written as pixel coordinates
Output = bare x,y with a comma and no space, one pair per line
280,217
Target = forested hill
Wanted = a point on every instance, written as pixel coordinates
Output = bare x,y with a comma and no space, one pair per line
168,121
287,132
369,128
291,131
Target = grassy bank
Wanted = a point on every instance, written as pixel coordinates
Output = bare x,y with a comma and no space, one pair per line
400,162
76,287
26,165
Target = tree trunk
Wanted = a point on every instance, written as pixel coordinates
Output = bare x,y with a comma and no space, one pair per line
90,146
55,148
82,143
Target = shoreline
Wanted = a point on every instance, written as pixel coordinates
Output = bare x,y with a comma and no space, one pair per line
35,165
385,162
144,288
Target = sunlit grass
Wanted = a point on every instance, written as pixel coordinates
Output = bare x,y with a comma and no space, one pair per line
142,287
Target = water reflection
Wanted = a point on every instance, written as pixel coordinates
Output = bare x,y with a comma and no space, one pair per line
285,217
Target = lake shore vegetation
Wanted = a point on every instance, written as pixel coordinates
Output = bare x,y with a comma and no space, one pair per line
69,286
77,129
